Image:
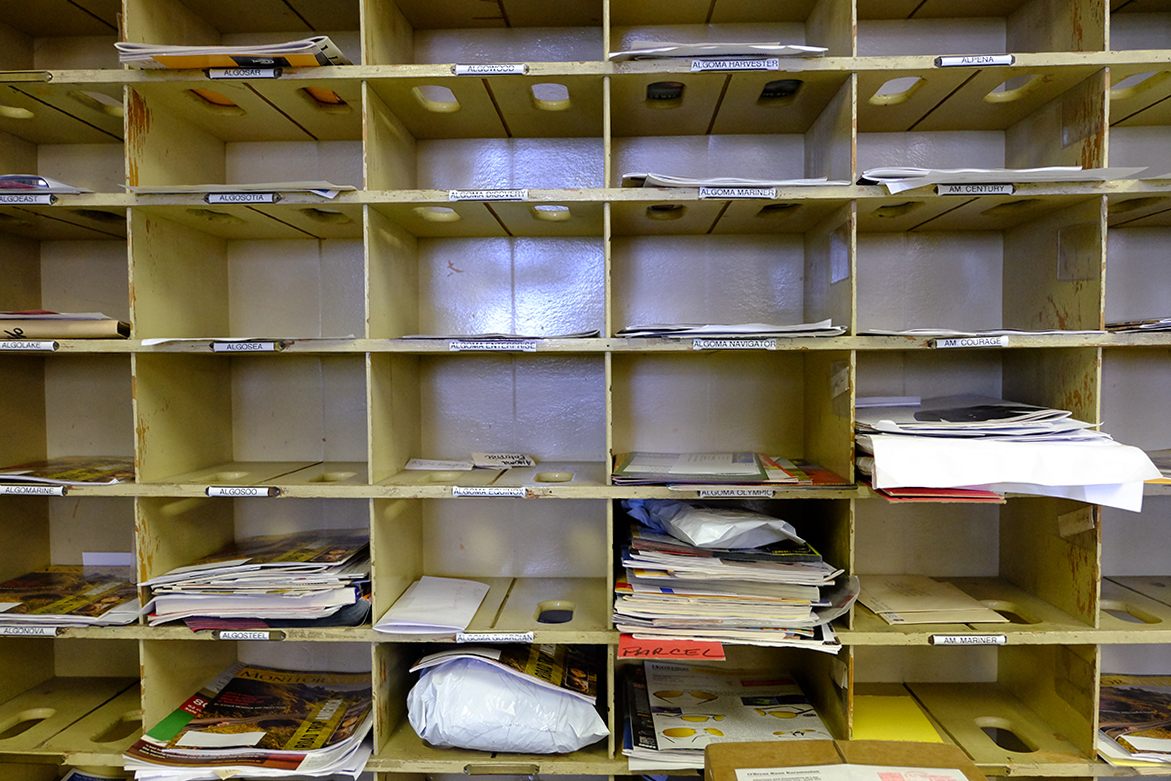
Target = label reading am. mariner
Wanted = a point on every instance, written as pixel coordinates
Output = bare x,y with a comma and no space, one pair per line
517,492
488,195
733,344
973,60
28,631
223,198
493,345
234,491
736,493
970,341
30,345
968,639
243,73
38,199
243,347
32,490
736,64
494,637
248,634
726,193
491,69
975,189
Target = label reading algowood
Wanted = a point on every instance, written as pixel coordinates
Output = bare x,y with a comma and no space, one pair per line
242,491
27,345
494,637
736,64
493,345
37,199
28,631
973,60
968,639
244,347
733,344
243,73
970,341
515,492
32,490
225,198
488,195
975,189
726,193
491,69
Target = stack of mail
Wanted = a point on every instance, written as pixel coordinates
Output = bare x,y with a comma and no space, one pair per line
1003,446
731,330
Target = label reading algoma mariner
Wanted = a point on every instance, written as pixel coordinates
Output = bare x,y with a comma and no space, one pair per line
244,347
493,345
242,491
243,73
726,193
226,198
970,341
733,344
28,631
973,60
736,64
968,639
517,492
494,637
31,199
32,490
488,195
491,69
27,345
975,189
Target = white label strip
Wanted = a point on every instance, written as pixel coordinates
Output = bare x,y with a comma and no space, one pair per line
737,192
494,637
518,492
244,347
33,490
28,631
736,493
222,198
491,69
970,341
733,344
39,199
974,60
975,189
243,73
737,64
488,195
434,465
29,345
242,490
968,639
248,634
493,345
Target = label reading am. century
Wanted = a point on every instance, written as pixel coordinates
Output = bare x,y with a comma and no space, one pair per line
733,344
969,639
488,195
970,341
975,189
737,192
27,345
242,491
222,198
974,60
491,69
29,198
32,490
737,64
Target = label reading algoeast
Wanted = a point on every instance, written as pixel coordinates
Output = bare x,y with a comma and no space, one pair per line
38,199
975,189
223,198
243,347
493,345
733,344
517,492
243,73
736,64
248,634
27,345
973,60
32,490
970,341
488,195
737,192
494,637
491,69
968,639
242,491
736,493
28,631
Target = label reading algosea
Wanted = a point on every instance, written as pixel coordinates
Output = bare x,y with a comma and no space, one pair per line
242,491
244,347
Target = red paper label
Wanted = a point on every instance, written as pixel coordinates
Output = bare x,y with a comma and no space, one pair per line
630,647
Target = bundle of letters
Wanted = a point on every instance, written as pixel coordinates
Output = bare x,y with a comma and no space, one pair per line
261,722
673,711
730,330
1140,326
319,575
1002,446
1134,719
70,596
726,575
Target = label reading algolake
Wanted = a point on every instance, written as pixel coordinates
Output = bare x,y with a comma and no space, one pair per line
973,60
243,73
244,347
968,639
736,64
27,345
32,490
37,199
733,344
736,493
494,637
223,198
975,189
518,492
505,460
28,631
493,345
242,491
488,195
491,69
970,341
248,634
726,193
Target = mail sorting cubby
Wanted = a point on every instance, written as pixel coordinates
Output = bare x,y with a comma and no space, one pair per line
550,407
60,34
789,403
1027,709
242,420
544,561
283,271
1140,117
1139,24
1136,277
1015,261
398,748
1136,589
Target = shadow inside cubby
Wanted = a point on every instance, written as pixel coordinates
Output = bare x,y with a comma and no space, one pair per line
60,34
1145,24
1136,589
1140,118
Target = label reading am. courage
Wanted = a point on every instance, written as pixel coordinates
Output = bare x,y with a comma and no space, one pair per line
970,341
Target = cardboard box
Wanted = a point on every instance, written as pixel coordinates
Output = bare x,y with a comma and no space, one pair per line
722,760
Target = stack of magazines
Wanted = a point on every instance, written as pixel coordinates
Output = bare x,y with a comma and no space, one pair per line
726,575
70,596
673,711
260,722
1001,446
1134,719
319,576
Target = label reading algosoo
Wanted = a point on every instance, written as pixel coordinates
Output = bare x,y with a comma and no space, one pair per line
242,491
517,492
488,195
736,64
491,69
968,639
32,490
223,198
970,341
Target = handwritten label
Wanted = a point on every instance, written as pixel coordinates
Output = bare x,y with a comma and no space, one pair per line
975,189
737,64
39,199
491,69
248,634
974,60
244,347
736,493
242,490
23,345
32,490
488,195
737,192
519,492
492,345
506,460
494,637
630,647
221,198
970,341
28,631
243,73
968,639
733,344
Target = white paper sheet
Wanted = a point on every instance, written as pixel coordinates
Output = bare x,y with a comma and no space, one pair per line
434,606
898,179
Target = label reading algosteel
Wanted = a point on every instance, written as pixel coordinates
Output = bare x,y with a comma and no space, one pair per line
225,198
243,347
37,199
493,345
243,73
736,64
975,189
736,493
32,490
968,639
488,195
518,492
970,341
973,60
491,69
28,631
726,193
242,491
27,345
248,634
733,344
494,637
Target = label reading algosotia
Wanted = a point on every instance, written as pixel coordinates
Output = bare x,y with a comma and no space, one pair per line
726,193
970,341
968,639
494,637
736,493
27,345
226,198
488,195
491,69
248,634
506,460
32,490
243,347
242,491
733,344
493,345
28,631
32,199
975,189
515,492
973,60
243,73
736,64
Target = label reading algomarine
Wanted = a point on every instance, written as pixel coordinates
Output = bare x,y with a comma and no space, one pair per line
517,492
222,198
968,639
30,345
973,60
975,189
28,631
491,69
243,347
39,199
970,341
32,490
733,344
242,491
736,64
243,73
494,637
737,192
493,345
488,195
736,493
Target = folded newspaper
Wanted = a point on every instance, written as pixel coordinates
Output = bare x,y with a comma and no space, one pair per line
731,330
653,50
651,179
304,53
32,183
898,179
